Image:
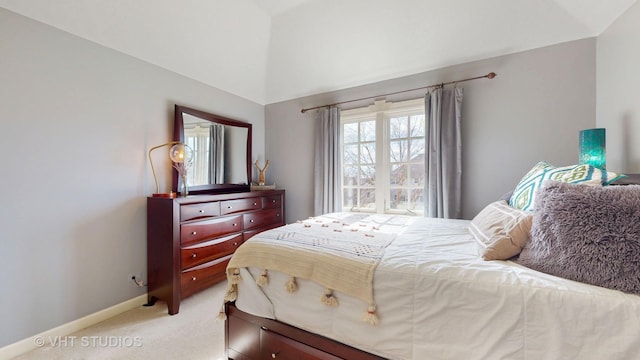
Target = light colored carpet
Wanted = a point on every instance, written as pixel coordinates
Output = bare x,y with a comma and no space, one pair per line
148,333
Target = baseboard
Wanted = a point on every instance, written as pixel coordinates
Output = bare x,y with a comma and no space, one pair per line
28,344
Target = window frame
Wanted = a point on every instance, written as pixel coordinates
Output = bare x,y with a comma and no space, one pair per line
381,111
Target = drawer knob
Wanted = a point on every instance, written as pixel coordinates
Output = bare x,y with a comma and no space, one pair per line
235,224
201,211
251,220
235,244
193,233
273,355
194,278
194,255
229,207
255,204
273,201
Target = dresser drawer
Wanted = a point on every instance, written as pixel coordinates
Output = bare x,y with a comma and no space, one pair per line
203,276
262,218
276,346
209,250
232,206
194,211
272,201
249,234
194,232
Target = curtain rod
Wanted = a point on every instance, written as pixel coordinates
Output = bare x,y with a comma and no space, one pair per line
490,75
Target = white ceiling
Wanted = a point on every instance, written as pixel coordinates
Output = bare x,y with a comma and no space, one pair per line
274,50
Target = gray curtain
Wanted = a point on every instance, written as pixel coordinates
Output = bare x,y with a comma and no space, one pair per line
443,157
327,170
217,154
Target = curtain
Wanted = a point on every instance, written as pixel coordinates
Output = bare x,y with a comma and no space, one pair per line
327,169
217,154
197,138
443,158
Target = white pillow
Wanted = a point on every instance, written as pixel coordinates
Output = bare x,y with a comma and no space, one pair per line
502,230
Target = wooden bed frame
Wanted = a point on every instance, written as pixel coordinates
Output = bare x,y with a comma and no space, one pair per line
250,337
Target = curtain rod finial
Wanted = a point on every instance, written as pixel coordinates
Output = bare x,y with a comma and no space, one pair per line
491,75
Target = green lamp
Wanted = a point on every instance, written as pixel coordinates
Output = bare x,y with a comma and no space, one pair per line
592,148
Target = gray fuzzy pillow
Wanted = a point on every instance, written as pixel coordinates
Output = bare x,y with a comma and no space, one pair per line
585,233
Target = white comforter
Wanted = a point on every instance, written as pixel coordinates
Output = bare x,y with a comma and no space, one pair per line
437,299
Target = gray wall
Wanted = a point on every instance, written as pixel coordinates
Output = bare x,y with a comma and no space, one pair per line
618,101
77,121
532,111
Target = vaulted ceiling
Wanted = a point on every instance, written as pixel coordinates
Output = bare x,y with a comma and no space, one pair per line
274,50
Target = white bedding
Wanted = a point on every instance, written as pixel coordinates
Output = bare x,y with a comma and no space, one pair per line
437,299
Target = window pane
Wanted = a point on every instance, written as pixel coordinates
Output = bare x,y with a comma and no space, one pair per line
350,156
417,150
417,125
417,175
368,153
350,176
399,127
368,198
350,132
367,175
398,175
417,199
398,199
398,151
368,130
349,198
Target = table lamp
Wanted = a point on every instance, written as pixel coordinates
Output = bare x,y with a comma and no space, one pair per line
592,148
181,155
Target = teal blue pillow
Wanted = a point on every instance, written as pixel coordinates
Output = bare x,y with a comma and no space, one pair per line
523,197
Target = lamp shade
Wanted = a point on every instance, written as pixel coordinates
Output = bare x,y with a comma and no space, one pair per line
593,148
181,155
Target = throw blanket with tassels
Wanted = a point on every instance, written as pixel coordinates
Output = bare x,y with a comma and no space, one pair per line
340,252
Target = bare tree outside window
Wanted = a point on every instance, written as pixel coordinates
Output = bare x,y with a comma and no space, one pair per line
407,162
359,164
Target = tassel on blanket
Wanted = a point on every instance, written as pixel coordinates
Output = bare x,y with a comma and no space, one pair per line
263,279
291,285
370,316
235,277
328,298
222,315
232,293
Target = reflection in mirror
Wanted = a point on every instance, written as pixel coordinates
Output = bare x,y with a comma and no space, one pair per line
219,152
222,151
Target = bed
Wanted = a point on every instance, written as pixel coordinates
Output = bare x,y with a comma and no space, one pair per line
433,294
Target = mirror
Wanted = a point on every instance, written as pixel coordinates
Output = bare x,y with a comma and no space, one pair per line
221,151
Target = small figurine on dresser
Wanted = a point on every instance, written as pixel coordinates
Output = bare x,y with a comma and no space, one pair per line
261,178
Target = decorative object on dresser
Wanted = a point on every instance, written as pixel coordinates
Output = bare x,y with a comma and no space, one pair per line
593,148
191,239
261,185
181,155
261,172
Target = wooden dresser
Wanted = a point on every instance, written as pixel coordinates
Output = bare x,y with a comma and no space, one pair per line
190,240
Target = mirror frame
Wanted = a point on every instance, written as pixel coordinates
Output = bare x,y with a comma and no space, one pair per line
178,135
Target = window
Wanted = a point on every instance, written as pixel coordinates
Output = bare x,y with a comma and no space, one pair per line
383,148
